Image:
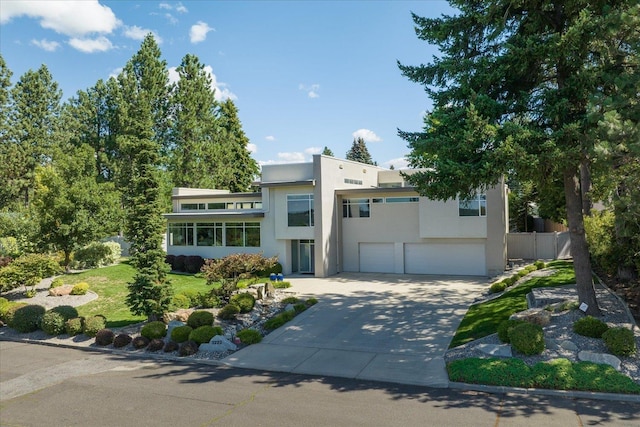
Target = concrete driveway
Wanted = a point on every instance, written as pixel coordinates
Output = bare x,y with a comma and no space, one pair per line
381,327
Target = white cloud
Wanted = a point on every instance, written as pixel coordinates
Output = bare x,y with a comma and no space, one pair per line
312,90
139,33
270,138
198,32
313,150
172,19
72,18
179,7
174,77
252,147
400,163
100,44
45,44
116,72
367,135
221,93
293,157
166,6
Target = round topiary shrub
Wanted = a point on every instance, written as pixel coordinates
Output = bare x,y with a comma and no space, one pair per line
56,282
73,326
122,340
188,348
180,334
9,310
497,287
589,326
527,338
155,344
620,341
249,336
203,334
505,326
153,330
80,288
228,312
140,342
200,318
52,323
170,347
105,337
539,265
92,325
66,311
245,301
181,301
27,318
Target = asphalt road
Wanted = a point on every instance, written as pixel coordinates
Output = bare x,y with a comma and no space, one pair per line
51,386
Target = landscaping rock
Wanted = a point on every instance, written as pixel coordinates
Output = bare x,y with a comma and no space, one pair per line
569,345
289,307
181,315
218,344
601,358
537,316
173,324
499,350
61,290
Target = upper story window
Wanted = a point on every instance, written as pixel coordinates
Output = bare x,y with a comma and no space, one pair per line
248,205
300,210
216,205
192,206
356,208
353,181
475,206
402,199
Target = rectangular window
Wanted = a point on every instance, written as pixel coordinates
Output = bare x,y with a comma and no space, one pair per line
230,205
217,205
244,234
377,200
475,206
247,205
257,205
402,199
356,208
209,234
181,234
192,206
252,234
300,210
353,181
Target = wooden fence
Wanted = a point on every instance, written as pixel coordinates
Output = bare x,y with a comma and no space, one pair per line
556,245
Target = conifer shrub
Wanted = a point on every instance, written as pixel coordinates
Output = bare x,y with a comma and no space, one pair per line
57,282
620,341
92,325
229,311
122,340
153,330
200,318
188,348
155,344
244,300
180,334
140,342
527,338
27,318
80,288
505,326
66,311
590,326
73,326
105,337
203,334
249,336
52,323
180,301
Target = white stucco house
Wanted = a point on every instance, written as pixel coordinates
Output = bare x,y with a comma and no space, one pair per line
333,215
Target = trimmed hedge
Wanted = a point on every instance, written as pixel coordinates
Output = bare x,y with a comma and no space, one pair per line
153,330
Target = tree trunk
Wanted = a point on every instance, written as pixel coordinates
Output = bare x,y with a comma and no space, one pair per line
579,246
585,186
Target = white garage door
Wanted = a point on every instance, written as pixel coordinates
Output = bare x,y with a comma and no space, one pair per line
445,258
376,258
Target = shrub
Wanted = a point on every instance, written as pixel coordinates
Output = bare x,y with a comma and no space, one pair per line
178,263
203,334
589,326
66,311
155,344
9,247
290,300
27,318
200,318
300,307
105,337
188,348
4,303
73,326
180,334
228,312
5,261
80,288
312,301
527,338
620,341
96,254
279,320
539,265
275,269
27,271
122,340
245,301
92,325
206,300
497,287
249,336
509,281
56,282
505,327
180,301
140,342
170,259
193,263
8,310
170,347
153,330
194,297
523,272
52,323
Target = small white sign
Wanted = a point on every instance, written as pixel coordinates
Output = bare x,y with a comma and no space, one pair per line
584,307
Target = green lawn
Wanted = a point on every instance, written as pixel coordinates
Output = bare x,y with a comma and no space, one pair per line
483,319
110,283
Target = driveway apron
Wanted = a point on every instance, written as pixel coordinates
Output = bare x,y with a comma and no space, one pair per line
381,327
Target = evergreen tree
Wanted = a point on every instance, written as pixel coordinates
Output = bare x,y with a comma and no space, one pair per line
512,91
359,152
327,152
236,168
149,293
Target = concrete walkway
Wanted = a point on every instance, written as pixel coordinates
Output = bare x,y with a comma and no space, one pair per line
382,327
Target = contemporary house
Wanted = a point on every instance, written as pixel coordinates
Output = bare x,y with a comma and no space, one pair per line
333,215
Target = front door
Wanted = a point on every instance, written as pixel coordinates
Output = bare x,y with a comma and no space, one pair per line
307,256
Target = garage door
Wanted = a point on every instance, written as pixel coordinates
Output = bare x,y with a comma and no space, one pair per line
376,258
445,258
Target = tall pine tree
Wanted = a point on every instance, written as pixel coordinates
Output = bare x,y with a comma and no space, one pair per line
359,152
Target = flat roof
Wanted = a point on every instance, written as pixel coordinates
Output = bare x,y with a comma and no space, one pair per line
235,214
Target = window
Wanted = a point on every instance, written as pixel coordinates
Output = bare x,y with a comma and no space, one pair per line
209,234
242,234
390,185
300,210
353,181
217,205
181,234
355,208
377,200
248,205
475,206
192,206
252,234
402,200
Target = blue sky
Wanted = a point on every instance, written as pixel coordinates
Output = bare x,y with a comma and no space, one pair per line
303,74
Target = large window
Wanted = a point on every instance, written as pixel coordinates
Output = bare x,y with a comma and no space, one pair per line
300,210
475,206
217,205
192,206
242,234
209,234
355,208
245,234
181,234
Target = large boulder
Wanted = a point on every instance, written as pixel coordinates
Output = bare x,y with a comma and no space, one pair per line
537,316
180,315
59,291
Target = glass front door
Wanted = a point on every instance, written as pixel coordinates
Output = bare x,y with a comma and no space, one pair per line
307,256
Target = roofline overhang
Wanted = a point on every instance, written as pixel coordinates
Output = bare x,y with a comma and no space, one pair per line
377,190
217,215
218,196
307,182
